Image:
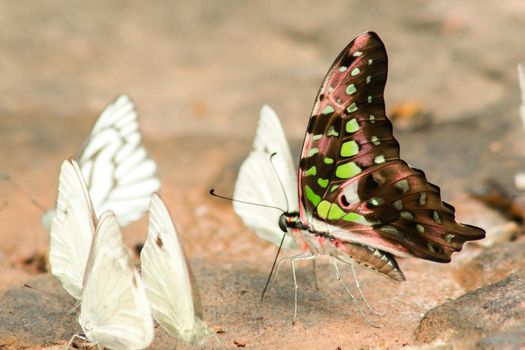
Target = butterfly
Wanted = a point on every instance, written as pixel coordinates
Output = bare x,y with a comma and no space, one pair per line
93,265
358,201
119,173
167,278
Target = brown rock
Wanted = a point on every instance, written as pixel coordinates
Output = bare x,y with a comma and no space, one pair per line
490,316
491,265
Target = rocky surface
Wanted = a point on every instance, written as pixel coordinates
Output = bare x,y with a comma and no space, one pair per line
491,317
199,72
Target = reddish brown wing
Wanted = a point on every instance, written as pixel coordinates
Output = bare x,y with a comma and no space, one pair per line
350,173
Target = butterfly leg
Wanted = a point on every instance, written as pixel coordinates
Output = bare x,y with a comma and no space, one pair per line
279,266
358,287
314,267
296,286
354,300
73,338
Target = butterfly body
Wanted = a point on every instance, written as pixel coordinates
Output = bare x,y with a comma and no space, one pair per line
319,242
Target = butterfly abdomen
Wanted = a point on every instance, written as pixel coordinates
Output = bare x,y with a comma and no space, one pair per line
374,259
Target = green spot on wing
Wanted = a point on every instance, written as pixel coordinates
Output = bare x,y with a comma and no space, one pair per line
328,110
330,211
352,126
312,151
347,170
343,68
402,185
311,171
317,137
334,187
328,160
311,196
350,89
352,108
322,182
379,159
355,72
375,140
332,132
349,149
359,219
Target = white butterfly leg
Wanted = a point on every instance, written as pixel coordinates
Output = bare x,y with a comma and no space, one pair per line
358,286
296,287
354,300
80,337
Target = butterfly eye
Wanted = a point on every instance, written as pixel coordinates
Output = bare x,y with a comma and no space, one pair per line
344,201
282,223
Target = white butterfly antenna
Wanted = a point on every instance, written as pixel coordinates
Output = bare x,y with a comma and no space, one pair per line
19,188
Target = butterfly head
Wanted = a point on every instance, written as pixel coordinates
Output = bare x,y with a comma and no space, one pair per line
290,220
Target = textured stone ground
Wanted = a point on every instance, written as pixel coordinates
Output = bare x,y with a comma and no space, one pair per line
199,72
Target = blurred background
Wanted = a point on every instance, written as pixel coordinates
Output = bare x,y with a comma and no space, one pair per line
199,72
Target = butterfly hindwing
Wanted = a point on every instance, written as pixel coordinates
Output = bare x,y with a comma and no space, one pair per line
351,176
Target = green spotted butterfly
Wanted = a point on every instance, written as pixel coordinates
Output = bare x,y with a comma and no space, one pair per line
357,200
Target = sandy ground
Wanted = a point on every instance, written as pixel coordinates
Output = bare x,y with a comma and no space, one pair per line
199,72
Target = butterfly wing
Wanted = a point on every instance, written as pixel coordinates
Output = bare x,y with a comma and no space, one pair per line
259,182
119,172
352,180
114,312
72,229
167,279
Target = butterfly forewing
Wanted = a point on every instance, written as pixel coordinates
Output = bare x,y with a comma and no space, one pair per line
260,177
72,229
351,177
167,278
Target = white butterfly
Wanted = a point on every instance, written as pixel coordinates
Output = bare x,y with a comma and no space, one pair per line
260,182
167,278
93,265
117,169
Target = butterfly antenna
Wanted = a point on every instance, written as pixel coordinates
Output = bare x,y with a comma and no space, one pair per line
273,267
212,192
19,188
280,182
50,294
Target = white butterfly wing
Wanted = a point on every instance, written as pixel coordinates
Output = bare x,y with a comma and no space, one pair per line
119,173
258,181
166,277
72,229
114,311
